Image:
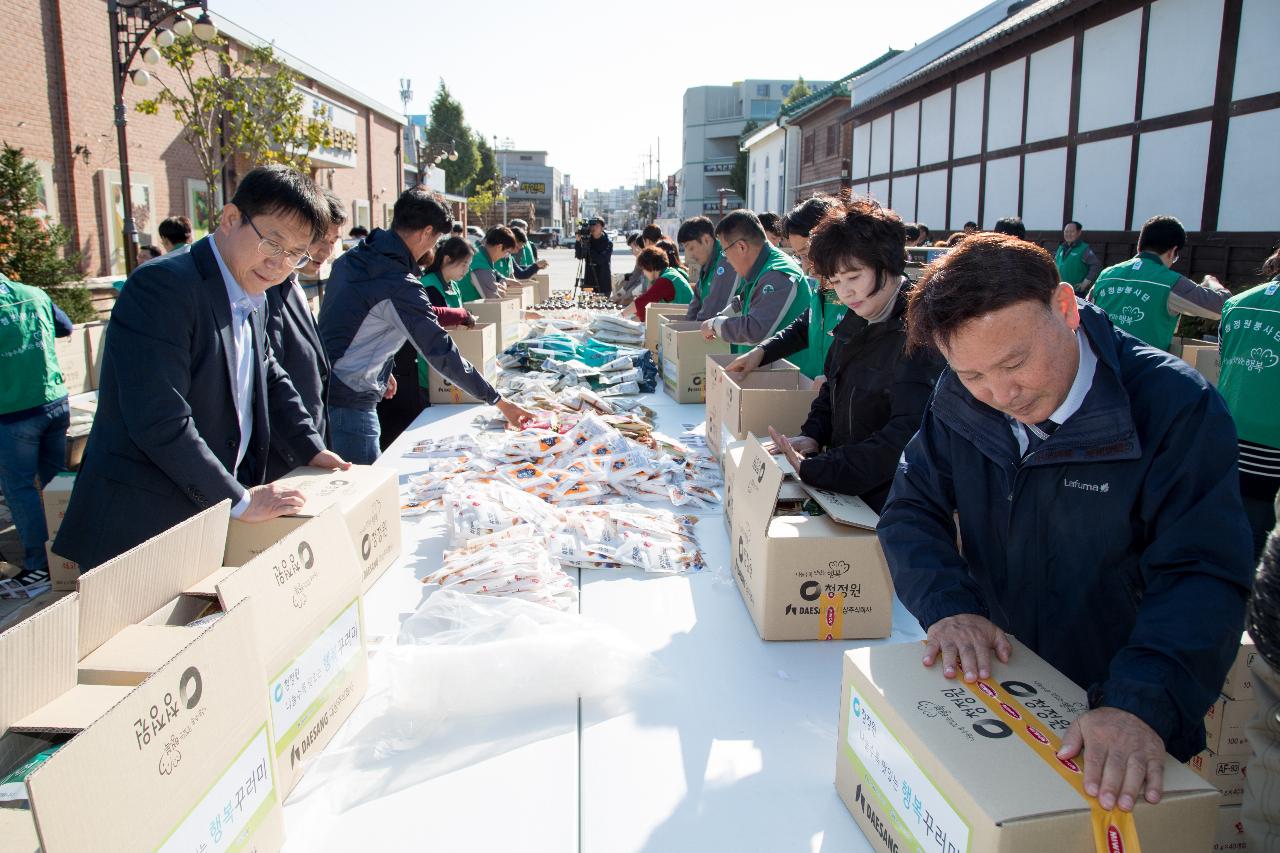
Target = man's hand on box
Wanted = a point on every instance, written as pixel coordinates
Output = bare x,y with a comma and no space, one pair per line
709,329
964,642
747,362
1123,757
272,501
330,460
792,448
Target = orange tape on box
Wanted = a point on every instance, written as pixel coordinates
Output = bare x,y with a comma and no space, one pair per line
1113,831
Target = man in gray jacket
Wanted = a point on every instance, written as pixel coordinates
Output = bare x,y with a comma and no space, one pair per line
769,293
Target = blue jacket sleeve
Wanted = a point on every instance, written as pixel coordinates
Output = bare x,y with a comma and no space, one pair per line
1197,572
411,311
62,325
918,534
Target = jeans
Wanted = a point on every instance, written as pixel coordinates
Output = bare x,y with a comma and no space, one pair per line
354,434
32,451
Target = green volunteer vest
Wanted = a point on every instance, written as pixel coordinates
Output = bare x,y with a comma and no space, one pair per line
776,261
526,256
1070,260
825,313
1249,377
504,267
451,293
479,261
684,293
31,373
708,272
1135,295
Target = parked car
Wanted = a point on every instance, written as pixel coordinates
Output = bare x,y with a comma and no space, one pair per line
475,232
545,238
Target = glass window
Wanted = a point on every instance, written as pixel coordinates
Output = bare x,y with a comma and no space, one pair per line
762,90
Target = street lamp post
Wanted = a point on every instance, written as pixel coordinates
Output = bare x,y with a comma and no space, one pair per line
436,153
131,22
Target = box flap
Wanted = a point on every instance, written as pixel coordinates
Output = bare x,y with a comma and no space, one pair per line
129,588
956,740
74,710
38,660
324,488
134,653
846,509
756,485
207,586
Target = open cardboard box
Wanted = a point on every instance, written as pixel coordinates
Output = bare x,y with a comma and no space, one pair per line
1224,726
653,318
777,395
1226,773
73,361
179,761
56,496
479,346
924,762
304,598
1239,682
504,314
804,577
684,359
369,500
541,282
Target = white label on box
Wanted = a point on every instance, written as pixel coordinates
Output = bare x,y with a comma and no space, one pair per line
921,808
303,681
231,809
669,371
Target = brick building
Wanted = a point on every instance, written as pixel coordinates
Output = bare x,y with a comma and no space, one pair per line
57,106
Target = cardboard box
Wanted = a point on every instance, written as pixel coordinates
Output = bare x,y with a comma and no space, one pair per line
1224,724
1202,355
504,314
524,292
804,577
1229,834
479,346
976,764
653,317
95,339
180,762
56,496
1239,683
64,574
368,499
684,360
304,593
73,361
541,282
1226,773
777,395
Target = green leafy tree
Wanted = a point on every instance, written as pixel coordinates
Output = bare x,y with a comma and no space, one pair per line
30,251
798,91
238,107
738,174
483,198
449,127
488,163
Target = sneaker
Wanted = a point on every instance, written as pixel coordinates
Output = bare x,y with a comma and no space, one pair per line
29,584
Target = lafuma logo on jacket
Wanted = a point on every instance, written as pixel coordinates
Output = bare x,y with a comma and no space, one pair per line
1100,488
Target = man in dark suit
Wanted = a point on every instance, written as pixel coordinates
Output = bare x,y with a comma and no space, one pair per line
191,398
295,340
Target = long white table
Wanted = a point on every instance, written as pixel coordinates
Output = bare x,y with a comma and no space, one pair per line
731,747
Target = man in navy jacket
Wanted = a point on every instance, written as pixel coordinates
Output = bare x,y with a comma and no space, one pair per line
1100,522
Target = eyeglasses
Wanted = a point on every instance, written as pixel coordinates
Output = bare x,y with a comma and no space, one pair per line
271,249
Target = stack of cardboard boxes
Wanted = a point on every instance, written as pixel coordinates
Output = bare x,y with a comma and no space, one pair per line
187,681
1225,760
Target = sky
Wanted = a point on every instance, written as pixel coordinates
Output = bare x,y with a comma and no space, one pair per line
599,86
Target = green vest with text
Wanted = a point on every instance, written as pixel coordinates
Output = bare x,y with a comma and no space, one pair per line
31,373
684,293
1249,377
526,256
776,261
825,313
1070,261
1135,295
479,261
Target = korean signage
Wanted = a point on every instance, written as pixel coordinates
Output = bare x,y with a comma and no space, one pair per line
717,168
338,149
533,188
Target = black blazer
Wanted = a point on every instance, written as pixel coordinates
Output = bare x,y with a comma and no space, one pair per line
295,342
165,436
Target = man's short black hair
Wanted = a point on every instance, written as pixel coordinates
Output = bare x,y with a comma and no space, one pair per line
175,229
519,223
1011,225
695,228
741,225
418,208
457,228
802,218
1160,234
337,210
771,223
912,231
632,238
358,231
500,235
518,233
971,224
651,235
1074,222
924,229
279,190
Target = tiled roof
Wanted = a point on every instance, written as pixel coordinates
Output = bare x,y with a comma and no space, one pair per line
838,89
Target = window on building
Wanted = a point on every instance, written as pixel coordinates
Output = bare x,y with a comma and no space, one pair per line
832,130
786,89
762,90
807,150
782,202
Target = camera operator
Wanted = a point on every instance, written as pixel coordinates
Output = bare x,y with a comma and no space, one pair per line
596,249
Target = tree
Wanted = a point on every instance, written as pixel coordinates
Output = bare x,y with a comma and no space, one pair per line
798,91
448,127
30,251
488,164
231,107
738,174
483,198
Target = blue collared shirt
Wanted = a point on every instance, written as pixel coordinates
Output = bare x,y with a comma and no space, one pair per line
242,307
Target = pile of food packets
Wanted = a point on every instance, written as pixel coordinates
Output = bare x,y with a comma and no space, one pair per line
577,359
504,541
